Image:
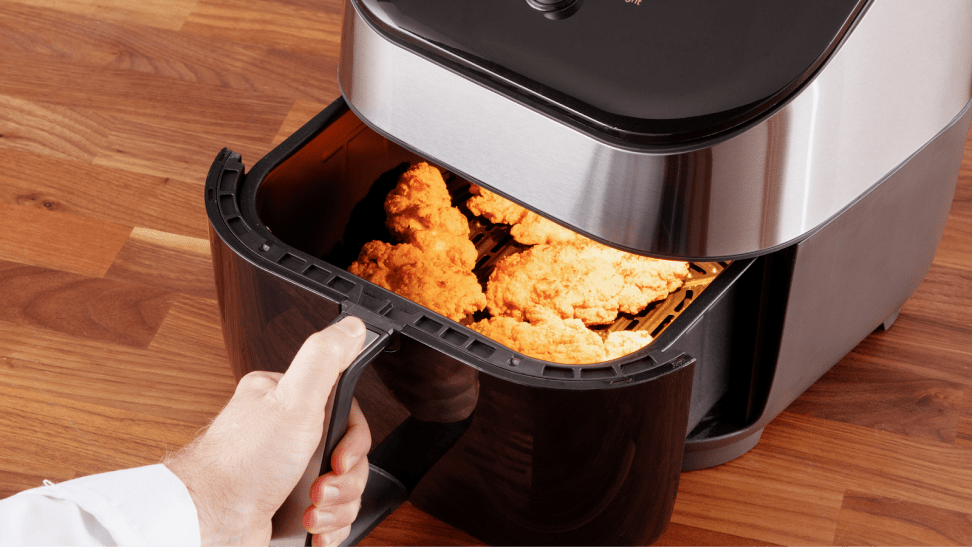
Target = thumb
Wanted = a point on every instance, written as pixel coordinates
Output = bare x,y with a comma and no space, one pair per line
315,368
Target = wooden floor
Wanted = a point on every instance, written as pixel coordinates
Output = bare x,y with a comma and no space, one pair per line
111,112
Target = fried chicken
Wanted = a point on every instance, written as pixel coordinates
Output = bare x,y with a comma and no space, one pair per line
433,266
623,342
437,279
582,280
565,341
421,202
528,227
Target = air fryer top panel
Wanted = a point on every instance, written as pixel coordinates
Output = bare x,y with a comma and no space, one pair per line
644,70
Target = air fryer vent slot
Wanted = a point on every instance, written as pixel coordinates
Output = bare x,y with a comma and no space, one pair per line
341,285
428,325
317,274
291,262
482,350
600,372
455,337
558,372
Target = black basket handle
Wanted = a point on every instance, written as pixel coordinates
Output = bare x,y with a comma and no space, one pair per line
288,526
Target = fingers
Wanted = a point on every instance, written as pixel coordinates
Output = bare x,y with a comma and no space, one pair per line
331,538
258,382
319,520
355,444
333,489
317,364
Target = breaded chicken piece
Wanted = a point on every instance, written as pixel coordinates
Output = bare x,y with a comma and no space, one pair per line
623,342
439,280
459,251
528,227
420,202
560,341
565,341
581,279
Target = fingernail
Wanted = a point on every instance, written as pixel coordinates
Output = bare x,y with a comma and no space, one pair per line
330,493
349,463
323,519
351,326
318,540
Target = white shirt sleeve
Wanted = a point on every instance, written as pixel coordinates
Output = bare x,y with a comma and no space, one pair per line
142,506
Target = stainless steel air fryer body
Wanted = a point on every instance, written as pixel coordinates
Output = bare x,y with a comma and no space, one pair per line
899,74
815,155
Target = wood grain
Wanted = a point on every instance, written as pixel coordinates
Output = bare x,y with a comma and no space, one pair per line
166,261
137,96
300,114
116,196
158,13
59,241
86,307
166,380
53,131
194,58
111,351
291,26
872,520
178,153
861,393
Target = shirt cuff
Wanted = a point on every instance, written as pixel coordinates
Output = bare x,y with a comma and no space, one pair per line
152,499
141,506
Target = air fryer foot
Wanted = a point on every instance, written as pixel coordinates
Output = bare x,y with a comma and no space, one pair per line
890,320
713,452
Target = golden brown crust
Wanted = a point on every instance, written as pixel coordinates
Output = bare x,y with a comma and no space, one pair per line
528,227
578,280
421,202
565,341
436,280
433,266
621,343
568,342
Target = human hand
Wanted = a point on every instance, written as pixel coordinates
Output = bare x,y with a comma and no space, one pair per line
255,451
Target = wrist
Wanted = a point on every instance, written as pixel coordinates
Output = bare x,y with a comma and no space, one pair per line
224,517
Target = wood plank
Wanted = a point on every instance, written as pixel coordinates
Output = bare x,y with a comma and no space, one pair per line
166,261
680,534
963,434
182,154
191,339
874,520
757,497
289,26
198,59
411,526
905,348
54,131
856,391
113,195
158,13
31,421
86,307
59,241
301,113
150,99
169,381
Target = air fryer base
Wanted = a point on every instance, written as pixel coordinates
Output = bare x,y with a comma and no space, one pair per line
825,294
